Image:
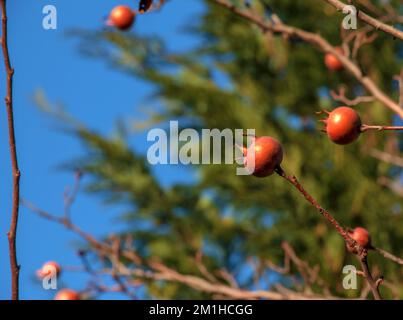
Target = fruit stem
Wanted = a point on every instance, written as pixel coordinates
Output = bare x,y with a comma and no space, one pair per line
293,180
366,127
359,250
389,256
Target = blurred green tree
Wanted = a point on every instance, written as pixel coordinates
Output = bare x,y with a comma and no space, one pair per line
241,77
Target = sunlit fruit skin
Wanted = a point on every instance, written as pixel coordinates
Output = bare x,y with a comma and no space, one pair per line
361,236
67,294
268,155
343,125
121,17
48,267
332,62
145,5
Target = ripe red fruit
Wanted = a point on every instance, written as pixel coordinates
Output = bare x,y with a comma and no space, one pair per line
331,61
67,294
121,17
361,236
47,268
268,155
343,125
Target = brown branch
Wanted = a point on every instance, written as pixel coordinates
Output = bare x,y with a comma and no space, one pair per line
321,43
202,268
293,180
341,97
228,277
361,252
158,271
361,38
12,233
374,285
394,186
70,195
375,23
400,79
389,256
387,157
115,257
366,127
366,289
203,285
309,274
312,273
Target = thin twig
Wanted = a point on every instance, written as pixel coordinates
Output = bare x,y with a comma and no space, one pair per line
366,127
393,185
228,277
361,252
387,157
293,180
341,97
400,79
377,24
12,233
202,268
157,271
374,285
322,44
70,195
389,256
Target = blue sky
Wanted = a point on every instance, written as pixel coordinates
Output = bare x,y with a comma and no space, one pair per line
93,93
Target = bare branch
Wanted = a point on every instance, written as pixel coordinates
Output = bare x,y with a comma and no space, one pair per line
389,256
293,180
366,127
387,157
368,276
395,186
361,252
341,97
158,271
70,195
375,23
400,79
322,44
202,268
12,233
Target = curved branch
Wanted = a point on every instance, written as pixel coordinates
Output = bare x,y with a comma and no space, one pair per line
377,24
323,45
156,271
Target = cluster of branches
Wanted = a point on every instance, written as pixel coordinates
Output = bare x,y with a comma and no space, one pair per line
119,261
352,42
